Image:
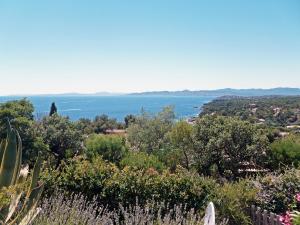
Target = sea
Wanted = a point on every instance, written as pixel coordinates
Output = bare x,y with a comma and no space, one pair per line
89,106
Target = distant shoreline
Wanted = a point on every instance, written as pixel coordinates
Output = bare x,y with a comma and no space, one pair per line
209,93
226,92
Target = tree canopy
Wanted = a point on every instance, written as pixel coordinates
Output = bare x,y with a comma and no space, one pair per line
228,144
61,135
149,132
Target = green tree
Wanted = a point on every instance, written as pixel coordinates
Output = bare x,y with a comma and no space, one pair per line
149,133
181,137
20,114
53,109
110,147
129,119
85,125
103,123
286,152
227,144
61,135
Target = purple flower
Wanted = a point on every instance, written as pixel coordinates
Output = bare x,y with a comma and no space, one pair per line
286,219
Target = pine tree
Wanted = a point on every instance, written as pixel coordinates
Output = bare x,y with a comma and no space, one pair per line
53,109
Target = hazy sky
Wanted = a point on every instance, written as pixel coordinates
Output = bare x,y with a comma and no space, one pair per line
55,46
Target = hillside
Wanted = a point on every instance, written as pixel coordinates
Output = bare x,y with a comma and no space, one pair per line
272,110
227,92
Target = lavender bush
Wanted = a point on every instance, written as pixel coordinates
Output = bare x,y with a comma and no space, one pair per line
77,210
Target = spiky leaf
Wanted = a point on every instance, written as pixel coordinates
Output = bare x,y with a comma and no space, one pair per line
8,164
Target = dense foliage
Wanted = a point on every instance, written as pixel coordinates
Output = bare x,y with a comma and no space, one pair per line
113,186
100,125
110,147
61,137
103,123
142,160
20,113
228,144
181,138
149,133
234,199
286,152
278,191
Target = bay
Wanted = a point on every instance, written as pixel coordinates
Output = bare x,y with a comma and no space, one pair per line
88,106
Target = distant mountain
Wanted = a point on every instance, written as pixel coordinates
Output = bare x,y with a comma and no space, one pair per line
225,92
210,93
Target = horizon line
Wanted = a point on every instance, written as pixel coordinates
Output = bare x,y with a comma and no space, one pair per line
108,93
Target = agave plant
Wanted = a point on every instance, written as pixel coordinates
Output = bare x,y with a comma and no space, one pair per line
12,176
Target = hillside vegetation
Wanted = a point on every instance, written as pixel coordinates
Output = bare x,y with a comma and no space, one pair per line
272,110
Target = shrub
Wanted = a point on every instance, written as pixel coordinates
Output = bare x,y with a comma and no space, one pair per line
234,199
286,152
277,191
142,160
114,186
179,188
77,210
80,175
110,147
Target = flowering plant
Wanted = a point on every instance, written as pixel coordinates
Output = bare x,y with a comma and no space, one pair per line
286,218
292,217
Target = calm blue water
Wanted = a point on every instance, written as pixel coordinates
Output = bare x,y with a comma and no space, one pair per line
114,106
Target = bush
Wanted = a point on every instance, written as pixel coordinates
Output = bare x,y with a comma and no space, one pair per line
110,147
277,192
77,210
114,186
174,189
142,161
81,176
233,201
286,152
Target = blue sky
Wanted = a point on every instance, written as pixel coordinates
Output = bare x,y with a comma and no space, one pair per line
56,46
